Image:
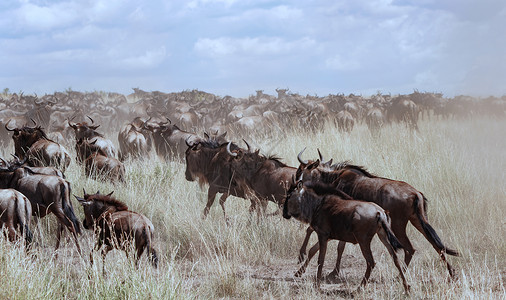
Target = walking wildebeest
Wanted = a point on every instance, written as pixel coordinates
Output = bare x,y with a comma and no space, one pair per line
207,161
33,143
267,178
47,193
117,227
169,140
15,213
332,217
87,131
404,202
97,163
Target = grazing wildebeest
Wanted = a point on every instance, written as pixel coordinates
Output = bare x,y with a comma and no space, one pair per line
97,163
33,143
207,161
87,131
404,202
47,193
334,218
267,178
117,227
15,213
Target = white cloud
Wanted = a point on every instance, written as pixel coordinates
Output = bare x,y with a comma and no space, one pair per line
337,62
259,46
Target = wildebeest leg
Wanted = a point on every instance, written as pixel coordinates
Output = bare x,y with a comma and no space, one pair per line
365,247
59,231
105,250
384,239
211,194
63,220
440,251
399,229
340,249
311,253
322,241
223,198
302,251
140,250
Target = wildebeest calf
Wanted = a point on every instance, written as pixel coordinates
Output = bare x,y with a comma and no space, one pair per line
322,207
117,227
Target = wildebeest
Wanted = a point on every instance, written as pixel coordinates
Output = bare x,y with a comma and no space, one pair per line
47,194
117,227
33,143
17,163
344,121
15,213
134,140
266,178
332,217
97,163
87,131
207,161
404,202
169,140
375,119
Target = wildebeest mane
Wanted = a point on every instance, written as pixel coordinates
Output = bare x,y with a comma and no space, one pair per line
109,200
322,188
347,165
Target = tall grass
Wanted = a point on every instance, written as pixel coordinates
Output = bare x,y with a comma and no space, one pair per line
458,165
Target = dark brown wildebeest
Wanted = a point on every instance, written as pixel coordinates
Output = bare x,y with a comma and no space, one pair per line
15,213
267,178
402,109
134,140
47,194
97,163
404,202
17,163
334,218
87,131
117,227
33,143
207,161
169,140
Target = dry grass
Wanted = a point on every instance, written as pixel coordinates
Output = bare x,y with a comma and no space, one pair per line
458,165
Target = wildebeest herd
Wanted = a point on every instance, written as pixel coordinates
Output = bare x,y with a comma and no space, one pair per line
338,201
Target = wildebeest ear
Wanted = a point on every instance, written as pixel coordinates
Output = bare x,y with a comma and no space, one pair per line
94,127
81,200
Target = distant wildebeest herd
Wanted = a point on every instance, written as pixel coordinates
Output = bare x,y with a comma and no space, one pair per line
338,201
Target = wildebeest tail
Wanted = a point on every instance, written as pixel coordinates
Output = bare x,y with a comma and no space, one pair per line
429,231
24,218
68,210
153,256
392,239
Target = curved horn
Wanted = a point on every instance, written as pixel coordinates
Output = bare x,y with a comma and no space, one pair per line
34,123
320,155
72,125
249,148
7,128
230,152
92,122
84,192
5,162
299,157
187,143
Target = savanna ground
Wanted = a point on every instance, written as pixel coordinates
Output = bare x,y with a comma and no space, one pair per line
458,164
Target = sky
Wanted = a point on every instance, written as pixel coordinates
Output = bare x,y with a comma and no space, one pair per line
235,47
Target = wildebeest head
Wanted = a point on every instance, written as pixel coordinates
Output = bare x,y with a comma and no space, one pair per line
292,205
97,206
84,130
25,137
